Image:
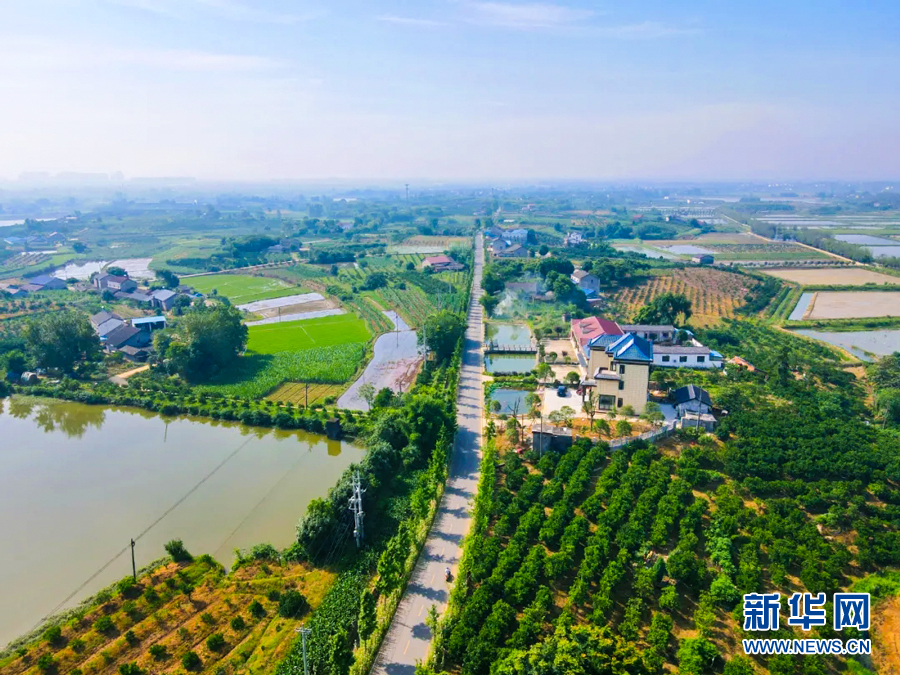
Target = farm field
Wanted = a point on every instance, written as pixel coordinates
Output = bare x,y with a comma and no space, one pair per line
436,240
242,289
292,336
854,304
843,276
715,294
298,393
764,251
157,622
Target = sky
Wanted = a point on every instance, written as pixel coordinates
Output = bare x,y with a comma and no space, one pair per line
475,90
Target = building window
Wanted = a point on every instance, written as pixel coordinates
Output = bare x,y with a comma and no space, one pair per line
652,337
621,369
682,359
620,403
621,385
665,358
701,359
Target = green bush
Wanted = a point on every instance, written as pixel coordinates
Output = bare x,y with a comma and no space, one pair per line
178,552
104,625
274,595
53,634
238,623
46,663
191,661
158,652
257,611
130,669
77,645
208,619
131,638
215,642
292,604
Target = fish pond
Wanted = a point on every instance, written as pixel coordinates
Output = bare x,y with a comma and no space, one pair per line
509,363
865,345
510,400
79,482
508,335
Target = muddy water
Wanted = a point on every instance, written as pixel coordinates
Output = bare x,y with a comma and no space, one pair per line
78,482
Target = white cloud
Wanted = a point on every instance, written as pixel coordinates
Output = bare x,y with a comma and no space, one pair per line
23,56
411,21
525,15
226,9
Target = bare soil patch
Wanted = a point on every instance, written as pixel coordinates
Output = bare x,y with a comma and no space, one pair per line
846,276
886,637
855,304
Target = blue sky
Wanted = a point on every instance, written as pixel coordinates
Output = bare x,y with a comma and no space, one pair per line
451,89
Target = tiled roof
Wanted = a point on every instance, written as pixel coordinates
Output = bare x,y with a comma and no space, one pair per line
692,393
647,328
631,348
681,349
587,329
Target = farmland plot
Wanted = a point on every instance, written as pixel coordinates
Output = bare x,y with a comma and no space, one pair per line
843,276
854,304
714,294
241,289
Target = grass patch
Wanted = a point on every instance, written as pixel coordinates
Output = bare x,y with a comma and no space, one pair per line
292,336
241,289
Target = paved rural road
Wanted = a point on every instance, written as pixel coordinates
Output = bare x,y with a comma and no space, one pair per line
408,638
394,364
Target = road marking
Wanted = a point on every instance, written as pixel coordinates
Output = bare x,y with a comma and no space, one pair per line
420,610
407,646
432,578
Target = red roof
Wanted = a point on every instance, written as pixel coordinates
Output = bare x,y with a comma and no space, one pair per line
438,260
587,329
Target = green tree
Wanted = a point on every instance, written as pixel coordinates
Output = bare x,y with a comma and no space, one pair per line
489,302
175,548
623,428
384,398
13,362
292,604
190,661
205,341
543,371
116,271
668,308
59,340
340,653
367,616
168,278
573,377
441,333
215,642
367,391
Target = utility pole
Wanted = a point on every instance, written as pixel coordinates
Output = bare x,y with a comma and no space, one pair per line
357,508
303,633
133,566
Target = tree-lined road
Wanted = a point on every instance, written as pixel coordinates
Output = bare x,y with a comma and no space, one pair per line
408,638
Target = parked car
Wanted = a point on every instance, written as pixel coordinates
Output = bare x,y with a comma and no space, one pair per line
561,391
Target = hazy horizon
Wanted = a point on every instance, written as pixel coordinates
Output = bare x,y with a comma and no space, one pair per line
457,91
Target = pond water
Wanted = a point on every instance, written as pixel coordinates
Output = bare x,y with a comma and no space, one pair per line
802,306
510,398
137,268
78,482
649,252
865,240
858,343
885,251
509,363
508,334
689,249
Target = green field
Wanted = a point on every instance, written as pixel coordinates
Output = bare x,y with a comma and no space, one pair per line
241,289
292,336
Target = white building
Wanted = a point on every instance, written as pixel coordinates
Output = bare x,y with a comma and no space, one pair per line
587,282
654,333
686,356
573,239
517,236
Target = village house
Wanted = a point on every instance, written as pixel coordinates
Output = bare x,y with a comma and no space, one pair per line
441,263
149,324
686,356
105,323
692,399
586,281
127,336
514,251
703,259
114,283
517,236
164,299
662,333
619,371
582,331
548,437
135,296
493,232
44,282
573,239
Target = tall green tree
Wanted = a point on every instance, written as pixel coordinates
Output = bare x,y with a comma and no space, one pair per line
205,341
60,340
668,308
441,332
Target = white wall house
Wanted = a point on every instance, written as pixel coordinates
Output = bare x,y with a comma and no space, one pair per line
586,281
681,356
518,236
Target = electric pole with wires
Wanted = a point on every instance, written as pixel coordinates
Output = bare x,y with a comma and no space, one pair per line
357,508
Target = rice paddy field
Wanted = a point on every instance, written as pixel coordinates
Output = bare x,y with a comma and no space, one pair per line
241,289
292,336
303,393
841,276
715,294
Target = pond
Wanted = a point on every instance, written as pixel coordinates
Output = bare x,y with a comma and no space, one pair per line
511,400
649,252
688,249
801,307
509,363
865,240
508,334
137,268
861,344
79,482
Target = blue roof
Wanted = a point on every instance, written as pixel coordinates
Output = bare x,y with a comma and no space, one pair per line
715,354
147,319
603,340
630,347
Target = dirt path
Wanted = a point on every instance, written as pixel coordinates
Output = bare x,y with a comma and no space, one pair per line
122,378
